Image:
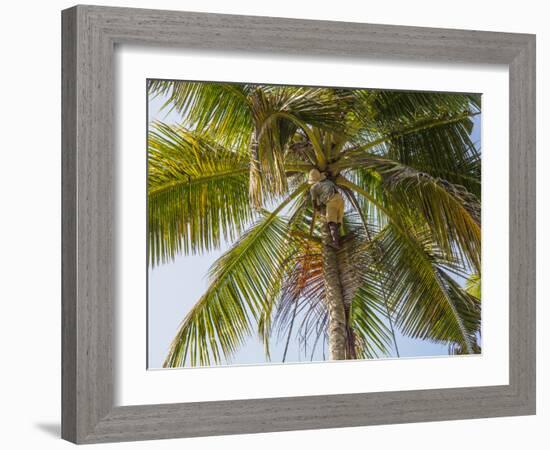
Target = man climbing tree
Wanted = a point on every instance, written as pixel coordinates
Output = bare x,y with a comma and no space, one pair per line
328,201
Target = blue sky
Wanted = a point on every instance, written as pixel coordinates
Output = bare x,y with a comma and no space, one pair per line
175,287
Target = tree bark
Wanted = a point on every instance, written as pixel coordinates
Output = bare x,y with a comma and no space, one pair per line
334,298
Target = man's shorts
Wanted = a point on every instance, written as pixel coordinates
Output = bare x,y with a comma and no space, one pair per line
335,208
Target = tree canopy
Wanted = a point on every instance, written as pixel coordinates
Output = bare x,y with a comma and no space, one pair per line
235,171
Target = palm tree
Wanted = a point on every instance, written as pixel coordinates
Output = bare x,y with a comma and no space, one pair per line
234,171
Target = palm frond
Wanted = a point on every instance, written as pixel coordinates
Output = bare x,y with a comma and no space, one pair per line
363,292
367,320
445,152
243,283
451,212
428,303
220,109
473,285
197,193
279,114
301,307
430,132
389,109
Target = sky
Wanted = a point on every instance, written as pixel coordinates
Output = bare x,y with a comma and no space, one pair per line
173,288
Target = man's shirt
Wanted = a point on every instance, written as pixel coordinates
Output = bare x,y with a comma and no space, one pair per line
322,191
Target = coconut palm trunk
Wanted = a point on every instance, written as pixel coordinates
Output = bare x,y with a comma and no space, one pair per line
334,299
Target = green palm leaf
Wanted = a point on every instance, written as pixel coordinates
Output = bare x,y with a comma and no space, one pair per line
364,293
388,109
243,283
279,114
428,131
197,193
452,213
367,320
303,295
258,119
222,110
428,303
473,285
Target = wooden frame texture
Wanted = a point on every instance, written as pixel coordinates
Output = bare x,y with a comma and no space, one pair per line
89,37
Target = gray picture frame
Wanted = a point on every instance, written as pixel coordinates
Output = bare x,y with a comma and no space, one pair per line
90,34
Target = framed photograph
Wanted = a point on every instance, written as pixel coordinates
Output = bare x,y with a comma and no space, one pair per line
279,224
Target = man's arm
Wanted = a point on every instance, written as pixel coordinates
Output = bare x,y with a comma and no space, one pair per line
314,197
